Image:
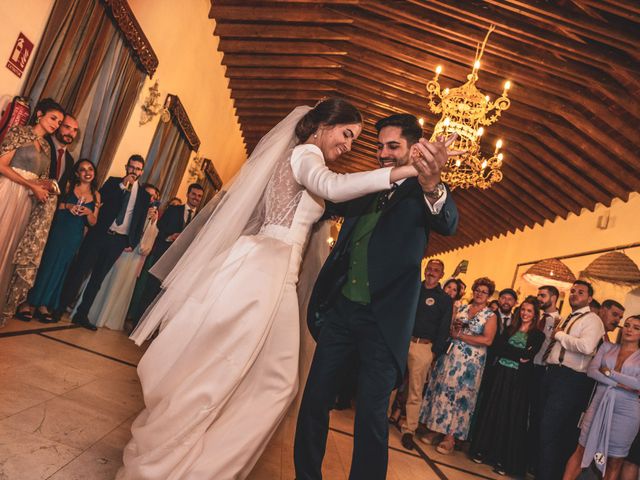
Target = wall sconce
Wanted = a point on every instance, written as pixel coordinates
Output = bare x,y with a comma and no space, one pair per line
195,169
151,106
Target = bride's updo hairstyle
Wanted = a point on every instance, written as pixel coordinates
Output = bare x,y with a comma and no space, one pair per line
329,112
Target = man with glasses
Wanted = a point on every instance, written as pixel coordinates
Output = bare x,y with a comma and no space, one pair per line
124,206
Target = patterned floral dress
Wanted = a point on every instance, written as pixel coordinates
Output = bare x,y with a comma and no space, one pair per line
452,392
29,220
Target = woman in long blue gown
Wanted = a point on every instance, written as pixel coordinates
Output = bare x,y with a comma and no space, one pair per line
78,209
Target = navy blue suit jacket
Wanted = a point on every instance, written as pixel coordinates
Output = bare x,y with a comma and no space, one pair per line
172,221
395,253
112,197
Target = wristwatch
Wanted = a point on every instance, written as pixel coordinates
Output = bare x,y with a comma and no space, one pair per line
437,191
607,373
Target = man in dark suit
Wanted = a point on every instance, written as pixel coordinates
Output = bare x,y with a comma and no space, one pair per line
170,225
175,219
119,228
61,168
366,296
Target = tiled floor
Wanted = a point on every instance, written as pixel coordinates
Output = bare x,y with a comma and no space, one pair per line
68,397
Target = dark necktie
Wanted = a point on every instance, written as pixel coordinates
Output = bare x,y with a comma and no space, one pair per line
383,197
123,208
547,352
189,216
542,323
59,162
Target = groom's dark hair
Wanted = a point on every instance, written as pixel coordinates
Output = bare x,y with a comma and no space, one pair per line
411,129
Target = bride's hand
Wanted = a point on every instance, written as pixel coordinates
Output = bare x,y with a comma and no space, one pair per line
405,171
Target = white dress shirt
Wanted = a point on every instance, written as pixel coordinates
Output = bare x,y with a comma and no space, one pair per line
580,339
550,321
437,205
123,229
188,209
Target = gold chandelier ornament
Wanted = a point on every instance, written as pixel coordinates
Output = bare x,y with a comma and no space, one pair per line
466,111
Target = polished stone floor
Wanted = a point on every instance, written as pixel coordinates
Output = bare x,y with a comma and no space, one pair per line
68,397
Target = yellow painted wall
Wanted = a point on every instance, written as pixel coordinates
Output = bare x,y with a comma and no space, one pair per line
497,258
190,66
28,17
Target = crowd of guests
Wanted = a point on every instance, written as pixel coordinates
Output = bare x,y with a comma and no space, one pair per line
526,390
73,245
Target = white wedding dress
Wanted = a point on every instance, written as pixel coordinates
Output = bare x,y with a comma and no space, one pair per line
221,374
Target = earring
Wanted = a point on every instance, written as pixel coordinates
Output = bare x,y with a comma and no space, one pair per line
315,135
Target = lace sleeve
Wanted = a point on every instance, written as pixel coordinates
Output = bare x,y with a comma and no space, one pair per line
310,171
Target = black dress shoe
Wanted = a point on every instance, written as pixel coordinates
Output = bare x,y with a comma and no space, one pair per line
477,458
84,323
407,441
89,326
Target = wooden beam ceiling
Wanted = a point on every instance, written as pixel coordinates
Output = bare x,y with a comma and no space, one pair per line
571,134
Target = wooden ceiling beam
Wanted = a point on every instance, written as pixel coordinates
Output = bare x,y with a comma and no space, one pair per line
288,61
279,48
287,14
540,85
437,31
534,185
488,212
529,199
244,84
281,73
582,26
298,95
475,219
512,27
270,31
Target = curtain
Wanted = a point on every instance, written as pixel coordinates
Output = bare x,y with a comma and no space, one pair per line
167,159
108,106
83,62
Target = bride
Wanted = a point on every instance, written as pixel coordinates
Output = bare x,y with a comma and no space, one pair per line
223,370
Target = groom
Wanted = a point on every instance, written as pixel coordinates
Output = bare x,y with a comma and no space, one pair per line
365,299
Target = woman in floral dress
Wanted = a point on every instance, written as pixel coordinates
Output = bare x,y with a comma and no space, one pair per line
450,399
24,168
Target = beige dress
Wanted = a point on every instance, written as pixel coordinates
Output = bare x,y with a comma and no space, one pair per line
16,200
219,378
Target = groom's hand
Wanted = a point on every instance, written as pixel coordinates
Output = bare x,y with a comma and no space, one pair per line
430,158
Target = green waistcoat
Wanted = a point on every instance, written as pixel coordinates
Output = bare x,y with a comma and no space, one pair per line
356,288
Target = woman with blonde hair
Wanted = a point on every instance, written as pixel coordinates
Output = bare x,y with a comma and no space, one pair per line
450,402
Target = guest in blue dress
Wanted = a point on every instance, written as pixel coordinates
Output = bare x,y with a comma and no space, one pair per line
451,399
612,420
78,209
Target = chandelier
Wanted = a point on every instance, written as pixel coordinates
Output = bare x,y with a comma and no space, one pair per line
466,111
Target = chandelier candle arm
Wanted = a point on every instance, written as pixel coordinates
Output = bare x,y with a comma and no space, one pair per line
465,111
